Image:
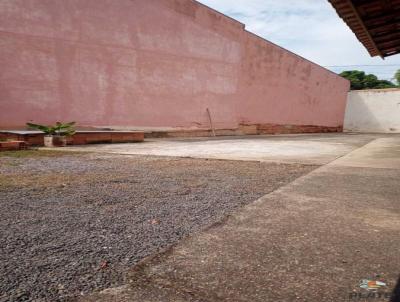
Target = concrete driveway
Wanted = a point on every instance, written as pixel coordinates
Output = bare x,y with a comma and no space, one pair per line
328,236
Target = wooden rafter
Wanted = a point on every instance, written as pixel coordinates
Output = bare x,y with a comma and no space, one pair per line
376,23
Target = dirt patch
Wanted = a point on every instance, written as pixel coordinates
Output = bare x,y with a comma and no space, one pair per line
73,224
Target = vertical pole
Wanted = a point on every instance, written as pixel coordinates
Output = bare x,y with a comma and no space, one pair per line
211,123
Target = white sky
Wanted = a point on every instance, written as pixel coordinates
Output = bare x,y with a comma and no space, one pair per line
310,28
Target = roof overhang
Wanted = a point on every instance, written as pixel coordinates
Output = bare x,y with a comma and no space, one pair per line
376,23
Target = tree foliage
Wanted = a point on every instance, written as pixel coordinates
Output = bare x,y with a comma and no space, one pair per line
359,80
397,77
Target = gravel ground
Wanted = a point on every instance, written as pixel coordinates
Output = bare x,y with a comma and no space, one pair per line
72,224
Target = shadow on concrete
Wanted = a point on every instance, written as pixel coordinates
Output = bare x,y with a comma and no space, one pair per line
396,292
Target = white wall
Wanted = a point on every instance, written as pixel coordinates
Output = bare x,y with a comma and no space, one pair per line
373,111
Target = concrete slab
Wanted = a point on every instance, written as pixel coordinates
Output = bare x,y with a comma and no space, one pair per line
307,149
379,153
315,239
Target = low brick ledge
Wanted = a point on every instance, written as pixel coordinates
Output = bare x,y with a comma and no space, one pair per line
35,138
12,145
245,129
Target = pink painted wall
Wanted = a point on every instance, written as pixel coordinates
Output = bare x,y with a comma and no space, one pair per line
153,63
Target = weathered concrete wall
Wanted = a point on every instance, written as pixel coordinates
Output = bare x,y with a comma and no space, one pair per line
152,63
373,111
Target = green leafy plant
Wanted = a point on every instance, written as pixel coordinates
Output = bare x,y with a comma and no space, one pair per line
360,80
59,129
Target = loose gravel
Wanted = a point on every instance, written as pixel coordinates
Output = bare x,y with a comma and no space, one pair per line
73,224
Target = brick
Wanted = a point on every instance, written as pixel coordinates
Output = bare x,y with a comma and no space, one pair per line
293,129
12,145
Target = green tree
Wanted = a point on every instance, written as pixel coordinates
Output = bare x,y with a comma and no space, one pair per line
370,81
359,80
355,77
397,77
